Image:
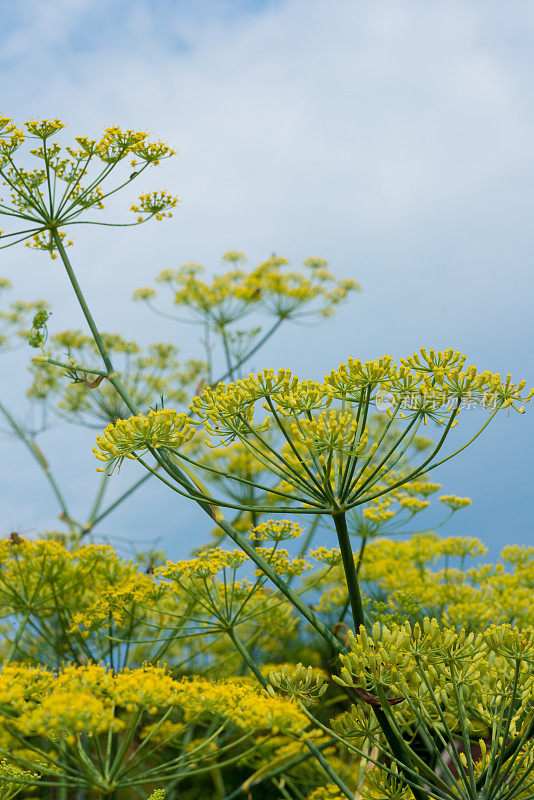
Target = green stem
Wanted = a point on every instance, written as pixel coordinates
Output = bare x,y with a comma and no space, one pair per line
73,366
309,536
268,570
351,575
398,748
16,640
358,615
259,776
97,502
229,366
358,567
464,731
251,352
207,348
247,658
328,769
114,379
501,758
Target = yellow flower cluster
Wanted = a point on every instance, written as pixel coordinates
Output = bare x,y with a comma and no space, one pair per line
328,792
276,530
455,502
332,431
327,458
338,437
71,700
286,294
48,590
11,139
133,437
14,780
330,557
348,383
61,176
155,204
74,710
379,785
270,287
114,604
282,562
43,129
473,598
206,564
44,241
178,599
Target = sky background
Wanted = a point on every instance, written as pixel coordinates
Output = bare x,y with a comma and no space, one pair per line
394,139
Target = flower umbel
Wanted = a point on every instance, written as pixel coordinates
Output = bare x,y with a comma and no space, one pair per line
325,459
133,437
69,182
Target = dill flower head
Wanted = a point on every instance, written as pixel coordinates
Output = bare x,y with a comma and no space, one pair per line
270,288
276,531
157,794
513,645
224,300
380,785
133,437
304,684
76,707
293,294
320,446
14,779
455,685
155,204
454,502
69,181
206,564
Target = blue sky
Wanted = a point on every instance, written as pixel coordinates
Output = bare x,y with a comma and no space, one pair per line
395,140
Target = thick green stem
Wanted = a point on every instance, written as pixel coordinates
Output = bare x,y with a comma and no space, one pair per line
398,747
351,575
81,299
358,567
